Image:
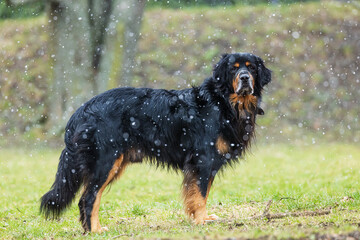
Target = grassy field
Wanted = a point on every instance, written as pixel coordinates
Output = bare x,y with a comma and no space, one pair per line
145,202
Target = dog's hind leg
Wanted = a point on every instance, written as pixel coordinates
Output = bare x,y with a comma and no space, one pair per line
195,197
90,200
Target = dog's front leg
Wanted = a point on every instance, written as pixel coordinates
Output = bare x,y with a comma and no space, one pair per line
196,187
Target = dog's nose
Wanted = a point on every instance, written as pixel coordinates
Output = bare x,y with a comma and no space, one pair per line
244,76
245,87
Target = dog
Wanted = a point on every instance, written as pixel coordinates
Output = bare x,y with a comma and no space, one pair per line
198,131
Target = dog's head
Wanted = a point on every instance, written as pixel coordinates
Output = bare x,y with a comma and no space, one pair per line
242,76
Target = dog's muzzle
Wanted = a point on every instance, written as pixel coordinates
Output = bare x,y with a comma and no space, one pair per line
244,83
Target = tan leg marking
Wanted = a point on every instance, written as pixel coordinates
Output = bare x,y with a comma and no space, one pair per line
195,203
117,169
212,217
221,145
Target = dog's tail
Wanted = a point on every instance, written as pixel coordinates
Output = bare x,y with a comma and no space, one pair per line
67,182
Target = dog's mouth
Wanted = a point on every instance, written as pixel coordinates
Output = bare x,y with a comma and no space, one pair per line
244,91
244,84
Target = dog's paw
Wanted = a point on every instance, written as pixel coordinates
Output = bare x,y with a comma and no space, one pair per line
100,230
104,229
205,219
211,218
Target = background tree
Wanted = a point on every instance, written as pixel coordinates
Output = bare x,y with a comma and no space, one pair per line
83,34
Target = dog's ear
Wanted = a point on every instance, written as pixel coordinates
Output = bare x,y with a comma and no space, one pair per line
260,111
224,55
220,69
263,72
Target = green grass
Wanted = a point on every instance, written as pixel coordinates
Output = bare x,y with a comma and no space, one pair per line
146,203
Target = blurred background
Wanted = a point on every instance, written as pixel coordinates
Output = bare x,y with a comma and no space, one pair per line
55,55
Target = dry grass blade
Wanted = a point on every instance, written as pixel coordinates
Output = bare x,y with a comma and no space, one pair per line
267,207
122,235
266,210
269,216
298,214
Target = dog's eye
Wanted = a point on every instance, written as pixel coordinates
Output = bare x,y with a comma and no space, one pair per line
236,65
252,67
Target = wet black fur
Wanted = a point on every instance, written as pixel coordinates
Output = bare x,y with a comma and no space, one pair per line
172,128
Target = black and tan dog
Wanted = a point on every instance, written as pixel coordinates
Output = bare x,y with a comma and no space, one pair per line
198,131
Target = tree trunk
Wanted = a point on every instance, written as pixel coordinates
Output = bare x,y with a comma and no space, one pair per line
71,55
131,36
121,44
83,33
